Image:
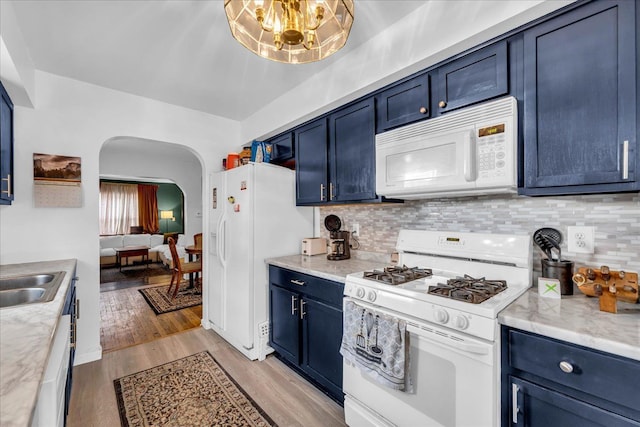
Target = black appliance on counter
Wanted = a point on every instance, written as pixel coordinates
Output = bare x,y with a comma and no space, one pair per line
339,240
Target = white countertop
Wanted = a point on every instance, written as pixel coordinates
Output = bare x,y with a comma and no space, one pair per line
26,334
577,319
320,266
574,318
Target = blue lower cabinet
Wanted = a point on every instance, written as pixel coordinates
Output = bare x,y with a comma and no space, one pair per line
71,308
305,327
548,382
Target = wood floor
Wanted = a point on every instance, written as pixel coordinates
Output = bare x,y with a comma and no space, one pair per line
126,319
287,398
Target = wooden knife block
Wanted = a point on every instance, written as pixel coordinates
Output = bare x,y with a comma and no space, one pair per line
608,291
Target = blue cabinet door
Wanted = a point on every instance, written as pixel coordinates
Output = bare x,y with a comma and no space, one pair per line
580,129
475,77
404,103
70,308
352,164
282,148
322,335
311,163
284,329
6,147
538,406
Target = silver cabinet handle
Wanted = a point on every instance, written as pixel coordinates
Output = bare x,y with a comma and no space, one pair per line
294,305
77,309
297,282
514,403
8,190
72,338
566,367
302,312
331,195
322,192
625,160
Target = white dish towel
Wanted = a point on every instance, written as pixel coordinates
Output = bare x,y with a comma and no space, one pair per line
378,344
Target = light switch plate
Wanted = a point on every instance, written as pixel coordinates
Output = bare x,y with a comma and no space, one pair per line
580,240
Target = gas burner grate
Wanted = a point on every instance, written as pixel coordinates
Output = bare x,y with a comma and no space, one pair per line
468,289
395,275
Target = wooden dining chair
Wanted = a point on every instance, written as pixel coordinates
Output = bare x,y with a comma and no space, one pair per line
197,241
180,269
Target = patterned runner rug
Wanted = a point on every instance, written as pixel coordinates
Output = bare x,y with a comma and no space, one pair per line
192,391
160,302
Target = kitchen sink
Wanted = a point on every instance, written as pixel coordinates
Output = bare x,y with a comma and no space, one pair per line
29,288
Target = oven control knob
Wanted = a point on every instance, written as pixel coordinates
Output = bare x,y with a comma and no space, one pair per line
441,316
460,322
371,296
360,293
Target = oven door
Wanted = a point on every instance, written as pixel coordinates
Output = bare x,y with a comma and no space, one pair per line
426,163
454,378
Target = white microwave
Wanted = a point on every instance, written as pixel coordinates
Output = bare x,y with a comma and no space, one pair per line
467,152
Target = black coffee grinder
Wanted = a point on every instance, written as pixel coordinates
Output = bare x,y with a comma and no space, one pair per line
339,240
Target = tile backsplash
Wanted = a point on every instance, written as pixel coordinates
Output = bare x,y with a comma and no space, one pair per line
616,218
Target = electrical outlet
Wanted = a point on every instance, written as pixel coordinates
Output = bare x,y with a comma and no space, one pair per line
355,229
580,240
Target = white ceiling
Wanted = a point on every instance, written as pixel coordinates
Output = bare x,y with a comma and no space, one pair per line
176,51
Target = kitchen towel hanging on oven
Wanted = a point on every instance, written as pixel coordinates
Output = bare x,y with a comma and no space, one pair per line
378,345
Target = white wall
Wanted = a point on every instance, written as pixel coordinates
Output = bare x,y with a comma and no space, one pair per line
16,66
75,119
140,159
433,33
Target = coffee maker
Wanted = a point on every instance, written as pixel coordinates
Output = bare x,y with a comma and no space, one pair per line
338,240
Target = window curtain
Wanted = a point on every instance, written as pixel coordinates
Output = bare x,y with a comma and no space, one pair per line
118,207
148,208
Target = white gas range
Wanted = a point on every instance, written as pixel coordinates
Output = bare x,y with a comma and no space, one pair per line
449,288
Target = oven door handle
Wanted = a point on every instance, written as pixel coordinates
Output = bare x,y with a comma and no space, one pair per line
479,349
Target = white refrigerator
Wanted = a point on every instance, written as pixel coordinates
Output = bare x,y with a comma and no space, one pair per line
253,216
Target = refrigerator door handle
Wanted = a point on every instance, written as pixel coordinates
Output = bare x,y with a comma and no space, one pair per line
222,235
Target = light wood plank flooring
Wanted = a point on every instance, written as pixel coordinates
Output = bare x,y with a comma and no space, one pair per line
127,319
287,398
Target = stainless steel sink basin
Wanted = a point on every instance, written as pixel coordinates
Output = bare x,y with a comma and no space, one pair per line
30,288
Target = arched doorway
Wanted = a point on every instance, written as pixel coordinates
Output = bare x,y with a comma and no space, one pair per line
127,317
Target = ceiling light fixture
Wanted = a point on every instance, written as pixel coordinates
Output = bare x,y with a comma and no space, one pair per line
291,31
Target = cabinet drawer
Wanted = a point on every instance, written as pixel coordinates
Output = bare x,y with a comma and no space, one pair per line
593,372
325,290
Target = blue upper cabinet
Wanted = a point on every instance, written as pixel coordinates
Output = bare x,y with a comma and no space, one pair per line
311,163
403,103
352,165
282,148
335,157
580,101
6,147
473,78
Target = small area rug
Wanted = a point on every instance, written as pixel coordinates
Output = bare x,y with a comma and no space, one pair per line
133,272
160,302
192,391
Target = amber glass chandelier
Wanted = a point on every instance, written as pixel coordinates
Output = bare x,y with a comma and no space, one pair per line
292,31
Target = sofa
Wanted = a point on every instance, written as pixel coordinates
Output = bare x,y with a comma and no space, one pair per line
158,249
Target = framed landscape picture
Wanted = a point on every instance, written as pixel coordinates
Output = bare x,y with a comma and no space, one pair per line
57,181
